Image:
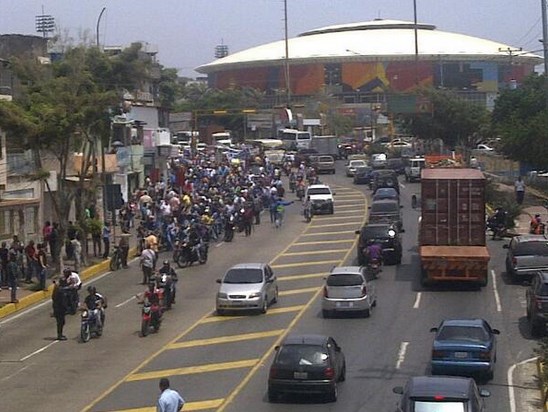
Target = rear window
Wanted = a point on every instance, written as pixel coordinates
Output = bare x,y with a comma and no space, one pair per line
531,248
471,333
387,207
326,159
302,355
347,279
318,191
374,232
438,406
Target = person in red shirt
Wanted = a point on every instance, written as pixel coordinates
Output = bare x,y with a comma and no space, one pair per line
32,260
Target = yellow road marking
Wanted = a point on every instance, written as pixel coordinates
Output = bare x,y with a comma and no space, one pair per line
298,291
350,206
342,232
226,339
274,311
323,242
190,370
262,361
333,225
294,265
299,277
315,252
189,406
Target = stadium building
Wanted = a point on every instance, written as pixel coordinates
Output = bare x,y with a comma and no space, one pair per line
359,62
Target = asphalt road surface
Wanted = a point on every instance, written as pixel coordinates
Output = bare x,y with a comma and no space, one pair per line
221,363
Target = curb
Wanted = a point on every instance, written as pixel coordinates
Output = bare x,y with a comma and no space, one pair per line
542,384
36,297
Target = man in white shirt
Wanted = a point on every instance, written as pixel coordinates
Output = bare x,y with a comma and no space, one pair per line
170,400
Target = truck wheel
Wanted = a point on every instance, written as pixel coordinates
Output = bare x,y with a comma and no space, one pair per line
537,328
482,283
424,278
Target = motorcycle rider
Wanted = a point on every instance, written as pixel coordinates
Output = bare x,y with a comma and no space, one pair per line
373,252
498,221
536,227
96,304
72,284
168,277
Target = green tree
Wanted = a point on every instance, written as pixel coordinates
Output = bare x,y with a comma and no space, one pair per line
455,121
520,119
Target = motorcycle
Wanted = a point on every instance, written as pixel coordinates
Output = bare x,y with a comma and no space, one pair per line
89,325
498,230
166,285
307,215
72,300
151,318
300,192
190,254
229,229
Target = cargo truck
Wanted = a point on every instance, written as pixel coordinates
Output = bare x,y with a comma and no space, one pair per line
326,145
452,226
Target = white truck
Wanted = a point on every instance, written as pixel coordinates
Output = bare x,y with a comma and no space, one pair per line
326,145
413,168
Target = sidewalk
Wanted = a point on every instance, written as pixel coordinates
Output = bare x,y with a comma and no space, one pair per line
27,296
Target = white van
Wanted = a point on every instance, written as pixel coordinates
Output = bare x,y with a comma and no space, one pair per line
414,168
295,139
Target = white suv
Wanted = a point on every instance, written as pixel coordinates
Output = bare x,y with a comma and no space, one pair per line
321,198
414,168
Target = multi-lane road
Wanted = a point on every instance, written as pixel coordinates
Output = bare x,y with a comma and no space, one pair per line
221,363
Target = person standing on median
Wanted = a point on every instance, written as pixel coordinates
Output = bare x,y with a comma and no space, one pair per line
169,400
105,234
519,186
13,273
59,301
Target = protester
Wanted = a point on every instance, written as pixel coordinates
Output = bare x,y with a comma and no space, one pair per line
59,302
519,186
169,400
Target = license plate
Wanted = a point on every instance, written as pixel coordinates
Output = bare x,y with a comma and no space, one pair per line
461,355
300,375
345,304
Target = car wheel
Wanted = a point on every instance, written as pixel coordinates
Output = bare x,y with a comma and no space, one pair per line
273,396
528,313
342,378
374,304
489,375
537,329
325,313
275,298
220,312
264,308
366,313
333,394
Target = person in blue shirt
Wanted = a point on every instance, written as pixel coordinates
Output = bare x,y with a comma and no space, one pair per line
170,400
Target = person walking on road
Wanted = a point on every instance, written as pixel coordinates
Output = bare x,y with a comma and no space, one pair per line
59,308
148,260
105,234
13,274
519,186
169,400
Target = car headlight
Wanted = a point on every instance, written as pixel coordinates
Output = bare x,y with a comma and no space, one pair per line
391,233
221,295
255,295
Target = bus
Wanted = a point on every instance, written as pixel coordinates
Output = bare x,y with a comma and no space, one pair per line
295,139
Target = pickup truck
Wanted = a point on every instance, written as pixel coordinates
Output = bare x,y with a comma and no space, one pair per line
527,254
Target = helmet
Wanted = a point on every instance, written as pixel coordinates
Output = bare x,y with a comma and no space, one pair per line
67,271
91,289
166,262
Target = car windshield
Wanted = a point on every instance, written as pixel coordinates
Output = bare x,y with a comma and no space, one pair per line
388,207
437,406
531,249
243,276
302,355
470,333
375,232
357,163
318,191
346,279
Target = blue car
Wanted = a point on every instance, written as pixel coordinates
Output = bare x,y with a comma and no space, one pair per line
464,347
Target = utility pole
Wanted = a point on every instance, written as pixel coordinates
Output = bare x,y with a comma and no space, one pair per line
416,43
545,47
287,82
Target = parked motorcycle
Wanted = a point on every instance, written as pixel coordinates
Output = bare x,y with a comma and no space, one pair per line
151,318
89,325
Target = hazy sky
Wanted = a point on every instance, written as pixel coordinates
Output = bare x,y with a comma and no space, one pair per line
187,31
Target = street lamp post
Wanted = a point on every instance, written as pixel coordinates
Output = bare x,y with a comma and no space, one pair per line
99,21
416,43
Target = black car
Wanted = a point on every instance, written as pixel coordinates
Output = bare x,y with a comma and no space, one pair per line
440,393
385,193
384,178
363,175
386,211
397,164
307,364
537,303
384,234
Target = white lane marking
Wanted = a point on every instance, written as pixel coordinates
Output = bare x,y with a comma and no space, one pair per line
124,302
402,185
15,373
495,291
48,302
219,244
36,352
401,354
417,300
510,377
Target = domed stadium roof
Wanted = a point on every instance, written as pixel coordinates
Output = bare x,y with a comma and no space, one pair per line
377,40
